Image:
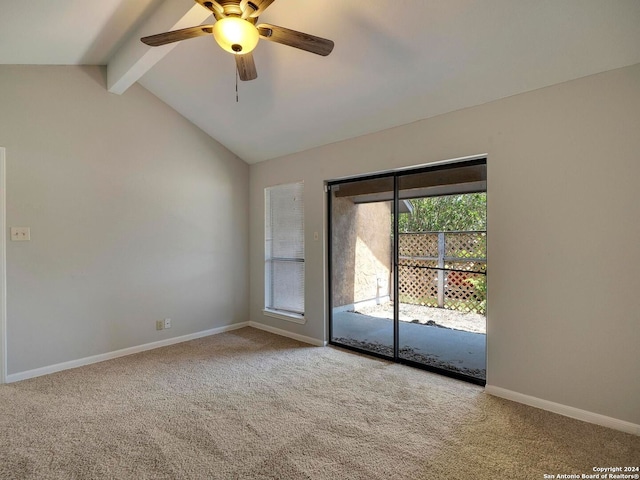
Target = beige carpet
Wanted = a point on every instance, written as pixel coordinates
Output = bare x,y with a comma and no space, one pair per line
251,405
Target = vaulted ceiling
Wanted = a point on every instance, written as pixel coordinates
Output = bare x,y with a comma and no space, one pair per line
394,61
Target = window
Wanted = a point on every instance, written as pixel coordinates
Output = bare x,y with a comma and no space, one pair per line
284,251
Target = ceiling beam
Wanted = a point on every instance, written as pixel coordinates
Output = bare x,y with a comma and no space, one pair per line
133,59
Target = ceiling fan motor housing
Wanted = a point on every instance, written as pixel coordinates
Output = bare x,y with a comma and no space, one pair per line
231,7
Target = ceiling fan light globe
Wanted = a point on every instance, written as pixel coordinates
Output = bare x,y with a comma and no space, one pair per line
236,35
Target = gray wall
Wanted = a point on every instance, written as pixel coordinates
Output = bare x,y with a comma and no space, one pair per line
563,232
135,215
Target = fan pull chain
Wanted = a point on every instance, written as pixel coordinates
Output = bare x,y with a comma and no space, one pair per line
236,85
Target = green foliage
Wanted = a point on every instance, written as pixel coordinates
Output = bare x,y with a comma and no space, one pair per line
447,213
480,285
451,213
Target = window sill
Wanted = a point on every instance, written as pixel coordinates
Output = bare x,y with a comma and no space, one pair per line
289,317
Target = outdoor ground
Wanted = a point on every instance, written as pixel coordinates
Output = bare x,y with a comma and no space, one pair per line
437,337
467,322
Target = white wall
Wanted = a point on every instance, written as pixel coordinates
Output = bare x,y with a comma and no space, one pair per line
135,215
563,232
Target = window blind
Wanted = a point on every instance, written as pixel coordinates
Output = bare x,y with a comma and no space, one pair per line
284,248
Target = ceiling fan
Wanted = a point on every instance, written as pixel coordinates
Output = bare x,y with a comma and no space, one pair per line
236,31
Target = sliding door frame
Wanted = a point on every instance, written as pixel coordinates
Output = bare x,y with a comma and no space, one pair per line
3,268
396,174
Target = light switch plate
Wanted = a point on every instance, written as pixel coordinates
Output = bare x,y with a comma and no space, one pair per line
20,234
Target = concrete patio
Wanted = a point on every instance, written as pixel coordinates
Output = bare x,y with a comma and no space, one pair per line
456,350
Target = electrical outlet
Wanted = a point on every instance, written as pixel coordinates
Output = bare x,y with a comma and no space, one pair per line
159,325
167,323
20,234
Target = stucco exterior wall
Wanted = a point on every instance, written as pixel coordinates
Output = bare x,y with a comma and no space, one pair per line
361,242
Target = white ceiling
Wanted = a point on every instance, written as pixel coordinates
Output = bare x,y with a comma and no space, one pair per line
66,32
395,61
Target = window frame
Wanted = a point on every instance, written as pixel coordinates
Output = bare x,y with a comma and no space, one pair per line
270,260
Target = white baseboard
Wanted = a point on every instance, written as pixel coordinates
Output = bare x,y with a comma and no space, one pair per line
284,333
37,372
565,410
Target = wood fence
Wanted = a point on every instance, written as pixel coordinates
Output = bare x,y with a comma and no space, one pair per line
443,269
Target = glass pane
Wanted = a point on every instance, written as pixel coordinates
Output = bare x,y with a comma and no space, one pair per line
442,272
285,221
361,265
284,248
287,288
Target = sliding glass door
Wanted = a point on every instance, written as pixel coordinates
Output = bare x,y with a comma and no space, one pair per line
408,267
362,265
441,270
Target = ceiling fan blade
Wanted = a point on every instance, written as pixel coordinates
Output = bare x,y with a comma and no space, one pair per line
177,35
213,6
246,67
303,41
260,7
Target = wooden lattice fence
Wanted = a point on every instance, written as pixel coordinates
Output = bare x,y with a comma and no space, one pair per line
443,269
